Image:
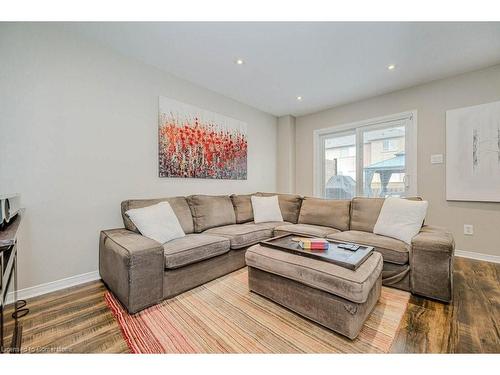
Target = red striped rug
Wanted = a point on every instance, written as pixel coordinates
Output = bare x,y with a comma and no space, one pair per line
223,316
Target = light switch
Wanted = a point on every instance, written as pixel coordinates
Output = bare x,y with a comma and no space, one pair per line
437,159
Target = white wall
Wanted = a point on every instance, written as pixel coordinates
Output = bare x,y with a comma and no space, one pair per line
431,101
286,154
79,135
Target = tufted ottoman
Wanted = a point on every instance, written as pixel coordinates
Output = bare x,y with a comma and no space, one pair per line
335,297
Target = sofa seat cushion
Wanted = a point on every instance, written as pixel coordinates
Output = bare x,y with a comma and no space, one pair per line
305,230
352,285
193,248
243,235
393,251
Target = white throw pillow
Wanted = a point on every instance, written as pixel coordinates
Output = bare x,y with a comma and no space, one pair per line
157,222
266,209
401,218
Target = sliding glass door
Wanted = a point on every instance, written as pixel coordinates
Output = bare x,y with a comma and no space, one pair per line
373,159
339,166
384,161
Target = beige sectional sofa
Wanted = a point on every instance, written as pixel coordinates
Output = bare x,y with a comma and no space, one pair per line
142,272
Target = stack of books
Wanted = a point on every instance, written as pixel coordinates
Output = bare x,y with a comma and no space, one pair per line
313,244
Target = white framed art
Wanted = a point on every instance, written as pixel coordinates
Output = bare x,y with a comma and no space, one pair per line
473,153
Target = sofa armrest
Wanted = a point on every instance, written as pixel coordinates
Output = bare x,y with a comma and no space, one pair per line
132,266
431,263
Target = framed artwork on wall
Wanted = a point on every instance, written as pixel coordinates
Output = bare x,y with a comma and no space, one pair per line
196,143
473,153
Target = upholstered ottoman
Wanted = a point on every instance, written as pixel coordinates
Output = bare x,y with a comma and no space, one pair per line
335,297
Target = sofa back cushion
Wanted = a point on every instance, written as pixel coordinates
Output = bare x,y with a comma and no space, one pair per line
289,205
365,211
211,211
242,205
179,206
325,212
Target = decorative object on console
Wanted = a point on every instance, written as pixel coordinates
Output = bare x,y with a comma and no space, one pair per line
196,143
473,153
10,204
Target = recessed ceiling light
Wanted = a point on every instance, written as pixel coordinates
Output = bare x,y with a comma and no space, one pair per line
391,67
299,98
239,62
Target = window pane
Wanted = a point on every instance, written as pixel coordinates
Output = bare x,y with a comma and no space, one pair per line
384,163
340,167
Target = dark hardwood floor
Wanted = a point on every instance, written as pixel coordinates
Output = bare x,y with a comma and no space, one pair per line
73,320
471,324
77,320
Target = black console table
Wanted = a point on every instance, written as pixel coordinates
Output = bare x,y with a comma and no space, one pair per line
8,279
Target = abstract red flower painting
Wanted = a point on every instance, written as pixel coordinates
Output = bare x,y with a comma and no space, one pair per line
195,143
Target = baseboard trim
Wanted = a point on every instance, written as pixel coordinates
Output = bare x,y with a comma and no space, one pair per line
477,256
53,286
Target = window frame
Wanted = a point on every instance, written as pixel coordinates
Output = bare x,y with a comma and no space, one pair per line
358,127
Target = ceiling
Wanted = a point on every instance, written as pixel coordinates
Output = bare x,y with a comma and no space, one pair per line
327,63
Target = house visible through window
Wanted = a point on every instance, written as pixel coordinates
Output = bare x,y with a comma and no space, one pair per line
390,144
373,159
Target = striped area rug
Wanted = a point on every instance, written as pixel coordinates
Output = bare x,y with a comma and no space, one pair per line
223,316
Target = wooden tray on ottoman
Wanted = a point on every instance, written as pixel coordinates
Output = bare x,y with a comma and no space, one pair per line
342,257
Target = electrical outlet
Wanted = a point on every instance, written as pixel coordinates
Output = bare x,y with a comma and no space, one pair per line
468,229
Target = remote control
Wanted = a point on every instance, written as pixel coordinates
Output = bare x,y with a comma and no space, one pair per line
348,246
